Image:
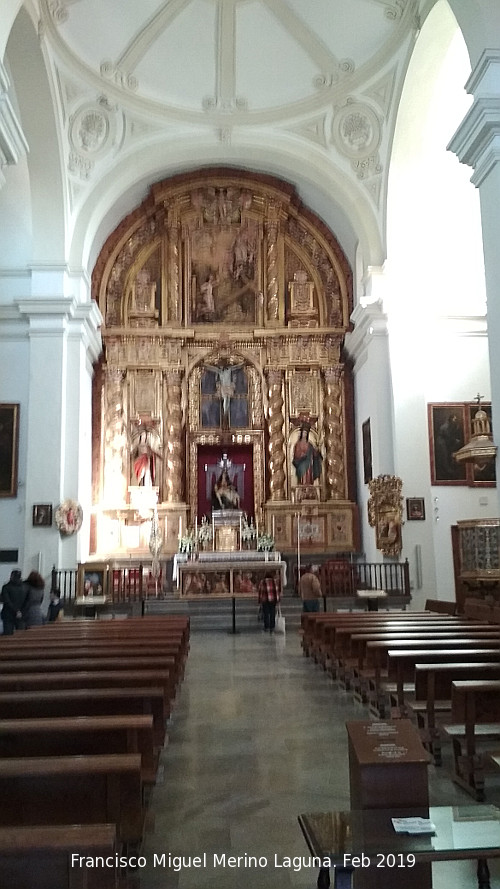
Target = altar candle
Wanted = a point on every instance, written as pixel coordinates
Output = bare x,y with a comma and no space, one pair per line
274,528
180,527
240,534
213,532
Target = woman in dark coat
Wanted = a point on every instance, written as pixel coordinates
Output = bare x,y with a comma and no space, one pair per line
33,611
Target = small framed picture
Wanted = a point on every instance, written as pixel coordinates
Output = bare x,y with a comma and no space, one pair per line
415,509
42,515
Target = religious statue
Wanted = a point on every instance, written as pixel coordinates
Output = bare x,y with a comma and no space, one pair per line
307,459
146,452
225,495
225,385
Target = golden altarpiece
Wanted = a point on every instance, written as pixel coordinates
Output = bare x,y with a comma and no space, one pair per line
225,305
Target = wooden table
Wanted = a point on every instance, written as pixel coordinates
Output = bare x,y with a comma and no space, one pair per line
363,844
371,597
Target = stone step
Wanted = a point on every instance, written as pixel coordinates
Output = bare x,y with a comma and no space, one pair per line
218,613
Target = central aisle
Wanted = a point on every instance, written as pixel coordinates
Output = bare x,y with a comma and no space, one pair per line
257,736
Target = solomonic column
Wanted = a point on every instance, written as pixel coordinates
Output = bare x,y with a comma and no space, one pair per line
272,284
173,270
334,434
276,445
173,455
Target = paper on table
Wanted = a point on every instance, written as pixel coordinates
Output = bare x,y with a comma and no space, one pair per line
413,825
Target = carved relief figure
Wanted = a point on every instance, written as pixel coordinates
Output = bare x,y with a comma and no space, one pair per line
225,386
223,275
307,459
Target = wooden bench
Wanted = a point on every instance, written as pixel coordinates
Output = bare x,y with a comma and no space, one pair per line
433,688
104,789
90,679
41,857
475,718
88,702
401,666
373,671
81,735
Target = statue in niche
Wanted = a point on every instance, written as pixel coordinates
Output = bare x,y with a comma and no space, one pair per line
307,460
144,292
146,451
225,494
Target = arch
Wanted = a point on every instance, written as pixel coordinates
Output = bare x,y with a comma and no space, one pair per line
341,203
33,94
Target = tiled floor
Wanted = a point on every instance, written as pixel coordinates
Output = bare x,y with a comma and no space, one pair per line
258,736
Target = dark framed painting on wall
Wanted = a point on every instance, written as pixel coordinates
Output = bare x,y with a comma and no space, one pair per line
415,509
42,515
446,436
9,449
450,427
366,435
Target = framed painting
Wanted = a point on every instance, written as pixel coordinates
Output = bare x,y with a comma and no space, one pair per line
42,515
366,436
447,434
415,509
9,449
92,579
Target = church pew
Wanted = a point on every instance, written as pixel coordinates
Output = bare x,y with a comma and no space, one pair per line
40,681
315,625
373,671
41,857
350,644
474,720
433,687
87,702
52,790
336,639
89,659
401,665
81,735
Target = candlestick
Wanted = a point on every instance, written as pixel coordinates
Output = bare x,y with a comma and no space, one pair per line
213,532
240,533
274,527
180,527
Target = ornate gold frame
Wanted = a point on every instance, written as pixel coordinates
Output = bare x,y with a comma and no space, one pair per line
385,513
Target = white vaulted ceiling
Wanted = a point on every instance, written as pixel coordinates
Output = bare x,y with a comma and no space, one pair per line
304,89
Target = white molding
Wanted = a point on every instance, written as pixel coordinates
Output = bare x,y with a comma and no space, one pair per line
477,140
13,143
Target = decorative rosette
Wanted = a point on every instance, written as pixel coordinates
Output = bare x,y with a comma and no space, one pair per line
69,517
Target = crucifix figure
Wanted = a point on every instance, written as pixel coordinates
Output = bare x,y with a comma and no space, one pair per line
225,385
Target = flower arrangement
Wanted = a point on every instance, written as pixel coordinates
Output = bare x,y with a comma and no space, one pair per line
265,543
204,532
248,531
187,542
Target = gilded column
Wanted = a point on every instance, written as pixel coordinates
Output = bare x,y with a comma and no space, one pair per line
173,270
115,482
334,434
173,460
272,265
276,445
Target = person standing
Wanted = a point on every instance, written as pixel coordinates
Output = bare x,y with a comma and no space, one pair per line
33,611
310,590
269,597
55,610
14,598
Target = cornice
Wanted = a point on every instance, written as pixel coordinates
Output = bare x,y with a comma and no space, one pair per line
477,140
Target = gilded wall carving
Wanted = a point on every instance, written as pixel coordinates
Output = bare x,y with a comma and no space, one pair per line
224,301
